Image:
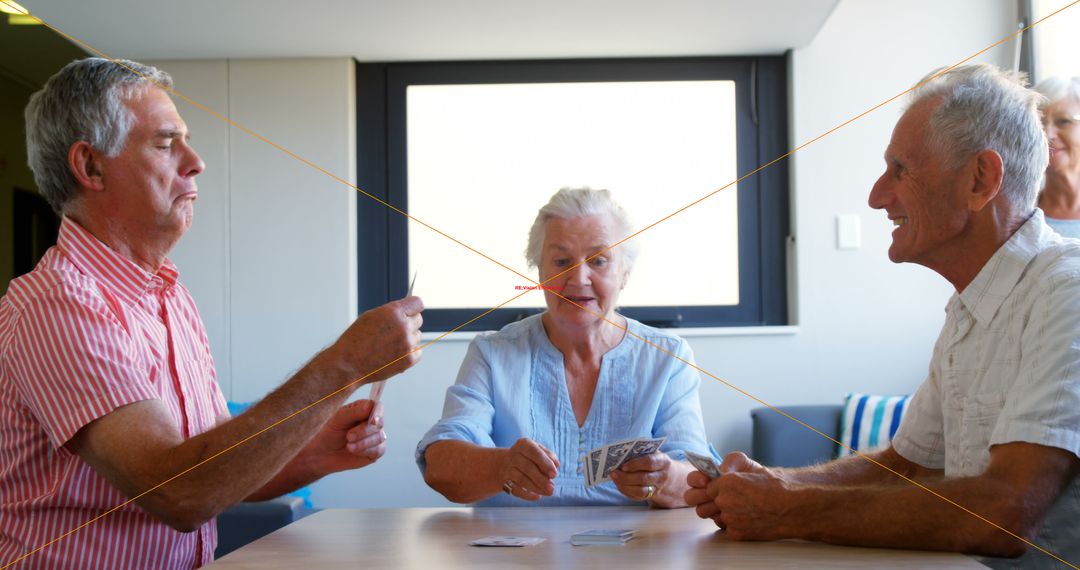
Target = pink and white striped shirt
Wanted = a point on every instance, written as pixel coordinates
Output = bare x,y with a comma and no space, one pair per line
84,333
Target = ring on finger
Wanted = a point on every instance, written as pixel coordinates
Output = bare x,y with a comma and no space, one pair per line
508,487
649,492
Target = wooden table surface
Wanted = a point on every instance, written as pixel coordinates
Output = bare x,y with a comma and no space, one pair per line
431,539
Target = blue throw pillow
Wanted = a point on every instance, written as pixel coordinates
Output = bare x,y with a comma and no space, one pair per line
235,409
870,422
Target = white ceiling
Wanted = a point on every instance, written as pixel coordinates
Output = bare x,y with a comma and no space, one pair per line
389,30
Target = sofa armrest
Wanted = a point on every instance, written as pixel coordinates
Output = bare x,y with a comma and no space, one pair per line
780,442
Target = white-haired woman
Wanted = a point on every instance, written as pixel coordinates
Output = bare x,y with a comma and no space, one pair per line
533,398
1060,197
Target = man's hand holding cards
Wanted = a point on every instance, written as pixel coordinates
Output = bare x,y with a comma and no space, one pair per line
704,463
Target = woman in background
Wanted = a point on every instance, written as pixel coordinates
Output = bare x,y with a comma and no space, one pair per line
1060,197
533,398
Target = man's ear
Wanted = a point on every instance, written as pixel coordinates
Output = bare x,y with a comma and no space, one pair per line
989,173
85,164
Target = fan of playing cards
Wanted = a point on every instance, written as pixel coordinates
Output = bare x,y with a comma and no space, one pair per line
600,462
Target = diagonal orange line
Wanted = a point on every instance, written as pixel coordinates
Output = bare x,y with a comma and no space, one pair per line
259,137
817,431
819,137
281,148
252,436
759,400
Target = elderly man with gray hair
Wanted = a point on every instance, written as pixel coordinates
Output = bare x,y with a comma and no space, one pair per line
991,442
107,385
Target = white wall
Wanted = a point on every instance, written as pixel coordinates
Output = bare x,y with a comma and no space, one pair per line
270,260
271,256
865,324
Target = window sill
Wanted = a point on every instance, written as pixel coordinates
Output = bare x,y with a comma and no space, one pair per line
685,333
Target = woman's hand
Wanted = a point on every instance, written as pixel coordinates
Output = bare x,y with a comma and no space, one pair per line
654,478
528,470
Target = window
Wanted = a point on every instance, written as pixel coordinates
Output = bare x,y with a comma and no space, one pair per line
1055,41
475,149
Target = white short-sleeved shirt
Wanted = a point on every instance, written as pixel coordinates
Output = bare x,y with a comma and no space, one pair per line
1006,368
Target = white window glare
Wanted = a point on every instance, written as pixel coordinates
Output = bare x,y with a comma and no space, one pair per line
482,159
1056,42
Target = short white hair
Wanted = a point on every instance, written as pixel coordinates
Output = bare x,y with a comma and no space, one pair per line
1058,89
570,203
84,101
984,107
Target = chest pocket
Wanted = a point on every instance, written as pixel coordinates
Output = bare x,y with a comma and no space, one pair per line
192,399
979,416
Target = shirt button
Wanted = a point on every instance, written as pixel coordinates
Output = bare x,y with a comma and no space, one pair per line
579,470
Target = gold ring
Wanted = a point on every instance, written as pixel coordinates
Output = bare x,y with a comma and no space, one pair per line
508,487
648,494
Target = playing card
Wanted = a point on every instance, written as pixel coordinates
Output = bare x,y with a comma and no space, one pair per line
376,390
704,464
596,458
644,447
507,541
603,460
613,457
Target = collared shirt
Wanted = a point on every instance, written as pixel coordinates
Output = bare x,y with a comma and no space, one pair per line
1006,368
84,333
512,384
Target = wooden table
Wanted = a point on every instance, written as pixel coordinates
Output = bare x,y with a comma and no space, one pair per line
432,539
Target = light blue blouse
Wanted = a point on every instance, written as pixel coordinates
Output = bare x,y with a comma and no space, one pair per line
512,384
1067,228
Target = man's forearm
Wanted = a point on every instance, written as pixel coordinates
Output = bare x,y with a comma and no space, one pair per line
298,472
233,470
953,517
289,479
875,468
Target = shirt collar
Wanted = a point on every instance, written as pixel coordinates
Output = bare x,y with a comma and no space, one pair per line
114,271
996,280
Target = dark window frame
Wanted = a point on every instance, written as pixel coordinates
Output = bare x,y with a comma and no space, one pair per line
762,123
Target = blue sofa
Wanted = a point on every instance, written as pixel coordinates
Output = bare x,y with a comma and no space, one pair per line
245,522
780,442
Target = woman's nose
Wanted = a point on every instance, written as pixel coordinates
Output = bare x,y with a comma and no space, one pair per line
579,274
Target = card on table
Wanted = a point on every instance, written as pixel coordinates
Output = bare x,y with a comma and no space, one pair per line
507,541
602,536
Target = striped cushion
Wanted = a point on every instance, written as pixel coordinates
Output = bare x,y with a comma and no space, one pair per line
869,422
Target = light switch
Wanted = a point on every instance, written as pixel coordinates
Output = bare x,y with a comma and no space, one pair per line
848,232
